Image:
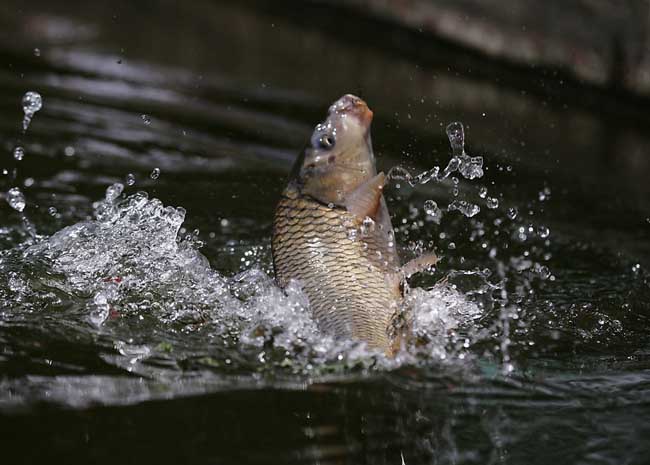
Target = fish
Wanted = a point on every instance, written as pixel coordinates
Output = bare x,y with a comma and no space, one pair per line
332,233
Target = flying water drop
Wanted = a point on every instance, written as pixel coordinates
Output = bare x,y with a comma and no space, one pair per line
155,174
456,135
431,208
146,119
492,203
16,199
466,208
130,179
32,102
19,153
512,213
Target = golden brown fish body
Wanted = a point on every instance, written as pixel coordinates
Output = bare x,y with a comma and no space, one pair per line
332,231
341,264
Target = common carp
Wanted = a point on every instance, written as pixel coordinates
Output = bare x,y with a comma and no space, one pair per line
332,232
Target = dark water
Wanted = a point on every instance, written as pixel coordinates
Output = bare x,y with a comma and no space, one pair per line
121,343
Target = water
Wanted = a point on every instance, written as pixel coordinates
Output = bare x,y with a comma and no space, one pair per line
141,322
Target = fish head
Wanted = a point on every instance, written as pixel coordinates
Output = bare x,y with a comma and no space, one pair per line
339,156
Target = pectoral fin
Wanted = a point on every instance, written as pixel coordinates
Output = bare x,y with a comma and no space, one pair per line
421,263
365,200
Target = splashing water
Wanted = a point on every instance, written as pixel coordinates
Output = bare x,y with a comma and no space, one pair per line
32,102
129,264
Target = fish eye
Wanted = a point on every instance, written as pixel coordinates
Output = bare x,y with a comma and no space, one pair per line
327,141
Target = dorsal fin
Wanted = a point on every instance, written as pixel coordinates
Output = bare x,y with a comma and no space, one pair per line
365,200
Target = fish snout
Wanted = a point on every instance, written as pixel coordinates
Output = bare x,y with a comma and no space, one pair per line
352,105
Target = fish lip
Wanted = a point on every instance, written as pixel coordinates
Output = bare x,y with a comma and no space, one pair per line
351,105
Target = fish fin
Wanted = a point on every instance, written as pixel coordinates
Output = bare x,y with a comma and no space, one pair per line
365,200
419,264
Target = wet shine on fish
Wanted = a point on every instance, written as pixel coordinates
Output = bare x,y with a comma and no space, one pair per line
332,232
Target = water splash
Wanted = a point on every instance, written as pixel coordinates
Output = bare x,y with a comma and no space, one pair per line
466,208
32,102
469,167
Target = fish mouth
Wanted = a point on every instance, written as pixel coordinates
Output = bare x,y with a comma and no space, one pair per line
351,105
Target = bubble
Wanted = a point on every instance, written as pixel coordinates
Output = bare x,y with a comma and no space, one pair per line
466,208
155,174
512,213
146,119
482,192
28,182
492,202
543,231
16,199
130,179
69,151
19,153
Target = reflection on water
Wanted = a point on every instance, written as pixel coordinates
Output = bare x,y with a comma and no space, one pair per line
130,329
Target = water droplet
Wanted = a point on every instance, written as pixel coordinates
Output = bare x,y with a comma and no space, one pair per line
114,191
466,208
451,246
636,267
542,271
512,213
19,153
69,151
543,231
32,102
456,135
492,202
471,167
430,207
367,225
130,179
482,192
16,199
155,174
146,119
37,52
52,211
29,182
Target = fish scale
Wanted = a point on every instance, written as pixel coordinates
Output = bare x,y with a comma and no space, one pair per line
344,277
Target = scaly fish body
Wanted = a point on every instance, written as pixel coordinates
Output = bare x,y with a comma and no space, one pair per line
332,231
342,268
